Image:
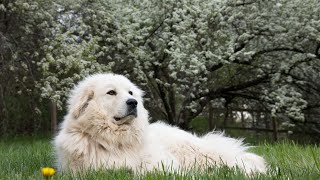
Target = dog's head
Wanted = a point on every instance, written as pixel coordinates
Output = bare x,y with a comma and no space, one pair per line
107,102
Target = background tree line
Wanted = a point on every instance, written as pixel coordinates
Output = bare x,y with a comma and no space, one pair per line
194,58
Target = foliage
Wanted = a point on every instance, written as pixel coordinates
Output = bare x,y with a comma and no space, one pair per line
23,28
186,54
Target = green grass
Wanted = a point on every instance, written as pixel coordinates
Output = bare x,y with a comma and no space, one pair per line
22,158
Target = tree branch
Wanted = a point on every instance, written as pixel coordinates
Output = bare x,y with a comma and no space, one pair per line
276,50
242,85
218,92
317,53
242,4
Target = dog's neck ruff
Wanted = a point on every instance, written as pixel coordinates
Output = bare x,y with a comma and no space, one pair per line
108,136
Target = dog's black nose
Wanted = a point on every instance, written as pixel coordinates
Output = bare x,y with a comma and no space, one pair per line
132,103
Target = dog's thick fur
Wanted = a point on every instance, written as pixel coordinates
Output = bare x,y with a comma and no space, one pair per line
91,137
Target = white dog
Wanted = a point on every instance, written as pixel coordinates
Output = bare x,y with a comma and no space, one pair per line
107,127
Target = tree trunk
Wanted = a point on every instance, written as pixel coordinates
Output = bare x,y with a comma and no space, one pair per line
172,104
242,119
253,124
210,117
258,119
184,121
163,96
266,120
226,116
275,129
53,116
3,112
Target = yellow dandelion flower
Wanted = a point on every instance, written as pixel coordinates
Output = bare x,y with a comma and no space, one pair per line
47,171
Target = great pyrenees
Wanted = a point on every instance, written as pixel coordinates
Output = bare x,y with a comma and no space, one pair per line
107,127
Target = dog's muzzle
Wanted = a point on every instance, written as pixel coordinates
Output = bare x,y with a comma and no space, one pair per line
131,110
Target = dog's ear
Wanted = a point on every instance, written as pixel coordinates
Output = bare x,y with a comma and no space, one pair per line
82,103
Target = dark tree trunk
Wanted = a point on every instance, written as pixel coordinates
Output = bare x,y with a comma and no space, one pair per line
3,111
184,121
186,115
226,117
163,96
242,119
53,115
266,120
172,105
253,120
275,129
210,117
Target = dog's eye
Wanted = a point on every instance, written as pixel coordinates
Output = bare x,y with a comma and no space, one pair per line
112,93
130,92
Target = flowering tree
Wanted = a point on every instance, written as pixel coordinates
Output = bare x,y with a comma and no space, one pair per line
23,28
193,52
82,35
186,54
281,43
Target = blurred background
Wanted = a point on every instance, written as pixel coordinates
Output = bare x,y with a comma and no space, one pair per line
250,68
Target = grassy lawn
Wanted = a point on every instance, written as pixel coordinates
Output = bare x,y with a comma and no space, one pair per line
22,158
